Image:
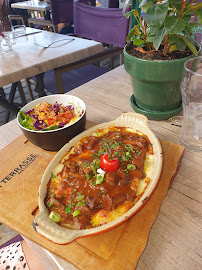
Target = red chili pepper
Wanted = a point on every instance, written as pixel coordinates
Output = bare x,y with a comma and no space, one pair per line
110,165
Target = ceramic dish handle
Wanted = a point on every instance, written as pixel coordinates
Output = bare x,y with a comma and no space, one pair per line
135,117
52,231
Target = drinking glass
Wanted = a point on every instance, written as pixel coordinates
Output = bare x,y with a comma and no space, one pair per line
18,30
2,50
6,39
191,89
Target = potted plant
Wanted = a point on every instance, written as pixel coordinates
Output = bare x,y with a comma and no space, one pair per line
157,47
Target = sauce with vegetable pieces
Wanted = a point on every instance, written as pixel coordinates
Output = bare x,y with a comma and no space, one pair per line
99,179
48,116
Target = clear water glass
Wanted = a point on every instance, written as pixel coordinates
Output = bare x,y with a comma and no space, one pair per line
8,40
191,89
18,30
3,49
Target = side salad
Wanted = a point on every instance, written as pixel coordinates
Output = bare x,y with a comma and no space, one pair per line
48,116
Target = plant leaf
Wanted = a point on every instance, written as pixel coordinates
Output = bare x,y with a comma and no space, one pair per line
150,39
145,2
173,48
200,20
174,25
128,14
190,45
187,18
180,44
196,6
158,38
172,39
137,41
175,3
156,14
200,16
136,13
130,35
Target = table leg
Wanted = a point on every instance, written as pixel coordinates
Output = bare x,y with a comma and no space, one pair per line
28,84
22,94
8,104
40,85
58,79
2,93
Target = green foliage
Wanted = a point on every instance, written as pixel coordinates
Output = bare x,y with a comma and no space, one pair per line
165,23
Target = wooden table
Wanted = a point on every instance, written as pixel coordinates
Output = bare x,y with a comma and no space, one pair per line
175,240
34,5
27,58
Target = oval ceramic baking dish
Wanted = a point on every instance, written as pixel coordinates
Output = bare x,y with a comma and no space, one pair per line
61,235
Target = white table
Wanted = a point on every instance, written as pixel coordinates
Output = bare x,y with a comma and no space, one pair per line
34,5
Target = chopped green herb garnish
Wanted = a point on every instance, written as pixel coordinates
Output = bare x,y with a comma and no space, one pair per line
81,203
88,176
68,209
49,204
76,213
128,147
53,176
99,179
126,171
113,146
95,164
131,167
54,216
93,183
80,198
85,164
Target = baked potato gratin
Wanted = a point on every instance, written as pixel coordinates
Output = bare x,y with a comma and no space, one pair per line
100,178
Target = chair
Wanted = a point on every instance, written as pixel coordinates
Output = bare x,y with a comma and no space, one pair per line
17,15
106,25
61,12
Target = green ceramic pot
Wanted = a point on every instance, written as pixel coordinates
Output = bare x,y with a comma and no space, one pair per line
156,83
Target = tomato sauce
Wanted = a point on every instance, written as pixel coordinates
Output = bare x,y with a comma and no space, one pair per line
82,188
